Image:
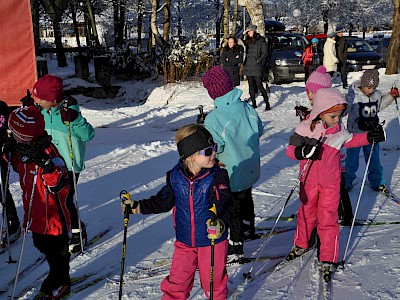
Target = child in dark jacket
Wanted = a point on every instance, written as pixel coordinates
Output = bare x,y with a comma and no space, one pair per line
193,186
316,143
59,114
44,183
14,228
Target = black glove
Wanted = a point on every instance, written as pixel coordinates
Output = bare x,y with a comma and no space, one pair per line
302,111
43,161
68,114
310,151
376,135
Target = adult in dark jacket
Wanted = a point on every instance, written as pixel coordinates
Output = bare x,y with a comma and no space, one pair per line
341,51
256,53
231,58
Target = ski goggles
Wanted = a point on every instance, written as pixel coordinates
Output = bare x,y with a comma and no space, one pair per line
208,151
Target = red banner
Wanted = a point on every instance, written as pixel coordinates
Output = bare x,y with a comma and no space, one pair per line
17,51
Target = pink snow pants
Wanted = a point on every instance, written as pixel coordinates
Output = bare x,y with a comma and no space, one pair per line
185,260
319,207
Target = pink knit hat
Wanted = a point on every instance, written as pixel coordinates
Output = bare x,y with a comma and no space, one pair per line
217,82
325,99
318,79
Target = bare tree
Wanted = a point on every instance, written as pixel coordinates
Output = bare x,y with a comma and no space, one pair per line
167,20
393,58
140,25
256,12
235,16
226,18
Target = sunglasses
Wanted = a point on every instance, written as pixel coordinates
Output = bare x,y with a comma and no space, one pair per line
209,150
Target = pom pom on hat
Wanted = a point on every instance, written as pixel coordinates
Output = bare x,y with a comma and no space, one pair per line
319,79
49,88
217,82
26,123
370,78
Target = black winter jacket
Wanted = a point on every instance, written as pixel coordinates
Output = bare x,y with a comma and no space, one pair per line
231,58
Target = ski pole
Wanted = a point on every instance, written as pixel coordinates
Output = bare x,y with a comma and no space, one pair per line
71,153
201,117
397,105
26,230
213,211
247,275
124,195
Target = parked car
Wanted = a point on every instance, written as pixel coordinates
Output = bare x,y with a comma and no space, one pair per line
284,55
383,48
359,53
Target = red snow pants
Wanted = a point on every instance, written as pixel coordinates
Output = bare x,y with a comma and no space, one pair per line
185,260
319,208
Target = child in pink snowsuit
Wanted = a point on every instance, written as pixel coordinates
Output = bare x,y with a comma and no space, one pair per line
193,185
318,140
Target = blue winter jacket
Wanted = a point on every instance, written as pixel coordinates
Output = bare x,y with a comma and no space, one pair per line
191,198
236,127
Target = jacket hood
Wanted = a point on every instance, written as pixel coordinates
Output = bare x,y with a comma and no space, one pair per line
229,98
325,99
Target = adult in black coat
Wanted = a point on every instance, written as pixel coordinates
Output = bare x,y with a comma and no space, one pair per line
256,53
231,58
341,52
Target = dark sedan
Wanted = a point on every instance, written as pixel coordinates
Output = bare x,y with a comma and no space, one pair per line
360,54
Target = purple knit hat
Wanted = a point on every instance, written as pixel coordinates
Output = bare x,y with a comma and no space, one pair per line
318,79
217,82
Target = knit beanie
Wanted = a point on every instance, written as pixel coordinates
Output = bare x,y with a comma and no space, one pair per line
370,78
326,99
318,79
49,88
27,123
252,27
217,82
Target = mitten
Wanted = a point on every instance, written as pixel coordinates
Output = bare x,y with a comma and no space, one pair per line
134,205
44,161
215,229
68,114
395,92
309,151
376,135
302,111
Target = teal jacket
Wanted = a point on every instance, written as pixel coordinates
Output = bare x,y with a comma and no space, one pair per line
81,132
236,128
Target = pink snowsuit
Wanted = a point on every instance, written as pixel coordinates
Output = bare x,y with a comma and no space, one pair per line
320,183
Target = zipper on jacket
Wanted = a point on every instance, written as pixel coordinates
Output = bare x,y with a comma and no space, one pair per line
192,222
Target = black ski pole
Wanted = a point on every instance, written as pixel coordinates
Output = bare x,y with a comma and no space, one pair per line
201,117
213,211
124,195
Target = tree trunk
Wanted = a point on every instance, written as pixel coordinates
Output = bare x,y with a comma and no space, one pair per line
122,9
93,25
217,27
62,61
256,12
73,16
35,23
117,40
394,51
235,16
167,20
226,18
140,25
325,20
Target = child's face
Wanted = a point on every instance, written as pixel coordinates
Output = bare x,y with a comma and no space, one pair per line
331,119
367,90
199,161
46,104
310,95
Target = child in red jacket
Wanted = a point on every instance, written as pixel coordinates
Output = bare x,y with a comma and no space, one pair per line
44,183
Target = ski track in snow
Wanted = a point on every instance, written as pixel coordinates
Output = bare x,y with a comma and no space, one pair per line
132,150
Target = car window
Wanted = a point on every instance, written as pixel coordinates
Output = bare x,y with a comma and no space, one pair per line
358,46
287,42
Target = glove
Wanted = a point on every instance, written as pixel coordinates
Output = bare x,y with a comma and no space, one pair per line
27,100
302,111
395,92
215,229
135,206
309,151
68,114
44,161
376,135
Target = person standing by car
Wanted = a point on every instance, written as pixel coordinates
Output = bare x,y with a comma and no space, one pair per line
330,58
256,53
341,50
231,58
308,55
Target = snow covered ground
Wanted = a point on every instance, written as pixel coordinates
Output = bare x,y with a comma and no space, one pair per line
133,148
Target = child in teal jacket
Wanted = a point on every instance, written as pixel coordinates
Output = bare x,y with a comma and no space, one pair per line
58,112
